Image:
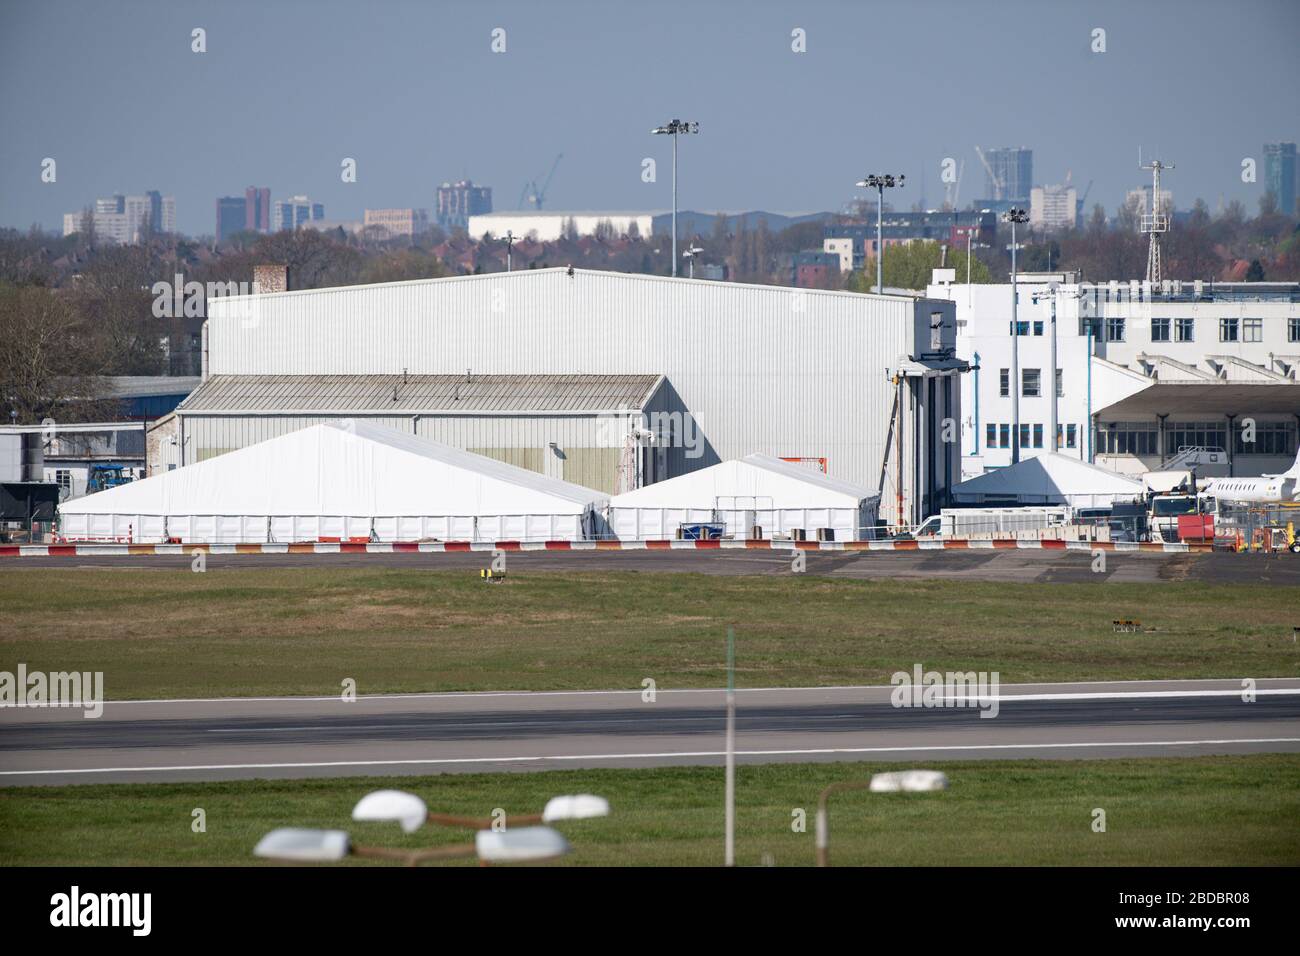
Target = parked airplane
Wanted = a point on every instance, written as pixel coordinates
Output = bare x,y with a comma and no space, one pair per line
1267,489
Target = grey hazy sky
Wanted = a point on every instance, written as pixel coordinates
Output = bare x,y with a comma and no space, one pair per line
411,90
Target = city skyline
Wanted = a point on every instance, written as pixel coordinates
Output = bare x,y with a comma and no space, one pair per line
212,132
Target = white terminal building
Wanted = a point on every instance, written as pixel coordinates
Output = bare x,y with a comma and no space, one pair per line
1147,378
608,380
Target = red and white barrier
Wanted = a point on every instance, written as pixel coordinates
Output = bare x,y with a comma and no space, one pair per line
93,549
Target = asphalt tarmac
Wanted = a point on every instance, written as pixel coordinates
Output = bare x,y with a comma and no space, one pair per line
222,739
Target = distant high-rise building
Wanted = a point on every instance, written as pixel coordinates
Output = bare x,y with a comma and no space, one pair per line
1141,200
1280,174
1053,207
396,223
257,209
231,216
458,201
1012,173
126,219
293,212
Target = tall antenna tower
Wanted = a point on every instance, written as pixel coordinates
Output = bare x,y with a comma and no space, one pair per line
1157,222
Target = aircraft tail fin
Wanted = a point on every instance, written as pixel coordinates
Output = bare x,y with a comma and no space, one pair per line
1294,470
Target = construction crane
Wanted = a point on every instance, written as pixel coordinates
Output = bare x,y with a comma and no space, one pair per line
535,196
952,191
998,187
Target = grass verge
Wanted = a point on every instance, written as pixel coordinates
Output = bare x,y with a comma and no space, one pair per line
302,631
1198,811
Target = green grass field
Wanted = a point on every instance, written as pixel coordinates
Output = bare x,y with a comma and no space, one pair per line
1202,811
302,631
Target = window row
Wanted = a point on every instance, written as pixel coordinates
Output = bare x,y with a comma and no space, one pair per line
1184,330
1031,436
1030,383
1142,438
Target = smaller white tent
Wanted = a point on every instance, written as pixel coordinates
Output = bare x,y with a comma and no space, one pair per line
343,480
1050,479
781,498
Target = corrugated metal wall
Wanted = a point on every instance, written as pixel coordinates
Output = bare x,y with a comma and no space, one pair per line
762,369
586,448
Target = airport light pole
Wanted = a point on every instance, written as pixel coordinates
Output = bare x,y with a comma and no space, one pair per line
509,240
675,128
690,254
1014,216
880,182
903,781
729,840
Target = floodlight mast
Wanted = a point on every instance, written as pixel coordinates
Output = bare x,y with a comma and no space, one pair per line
880,182
1016,215
675,128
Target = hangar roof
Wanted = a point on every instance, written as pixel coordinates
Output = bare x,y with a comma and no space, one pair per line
482,394
787,484
1207,398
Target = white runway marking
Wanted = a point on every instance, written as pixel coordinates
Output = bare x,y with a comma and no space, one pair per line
650,756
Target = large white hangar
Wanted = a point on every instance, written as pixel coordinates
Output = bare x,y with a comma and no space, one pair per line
345,480
789,373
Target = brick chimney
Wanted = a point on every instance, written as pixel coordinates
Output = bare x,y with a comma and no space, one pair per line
270,278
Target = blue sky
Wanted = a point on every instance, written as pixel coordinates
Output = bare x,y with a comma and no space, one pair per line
288,88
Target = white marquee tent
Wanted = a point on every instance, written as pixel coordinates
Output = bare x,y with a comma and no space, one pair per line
343,480
1050,479
781,498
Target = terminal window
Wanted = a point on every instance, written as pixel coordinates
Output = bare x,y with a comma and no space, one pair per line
1185,330
1228,331
1293,330
1159,330
1271,438
1114,330
1197,435
1252,330
1127,438
1004,433
1004,382
991,436
1038,436
1029,382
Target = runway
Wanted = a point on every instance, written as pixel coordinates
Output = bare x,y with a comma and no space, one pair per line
1048,566
221,739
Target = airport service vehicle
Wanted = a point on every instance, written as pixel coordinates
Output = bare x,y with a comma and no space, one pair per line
101,477
1163,513
977,522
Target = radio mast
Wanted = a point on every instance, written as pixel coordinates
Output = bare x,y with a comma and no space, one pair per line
1157,222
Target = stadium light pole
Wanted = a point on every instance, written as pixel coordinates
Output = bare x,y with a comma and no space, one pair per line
1014,216
880,182
675,128
901,781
